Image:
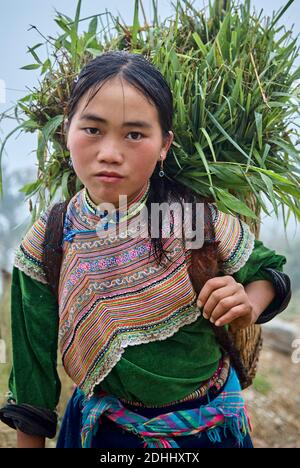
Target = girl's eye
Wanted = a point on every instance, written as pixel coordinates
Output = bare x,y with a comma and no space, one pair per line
91,130
134,134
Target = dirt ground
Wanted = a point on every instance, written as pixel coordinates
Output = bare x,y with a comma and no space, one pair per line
273,403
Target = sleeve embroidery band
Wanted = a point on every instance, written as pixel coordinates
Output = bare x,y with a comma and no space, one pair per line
236,240
29,255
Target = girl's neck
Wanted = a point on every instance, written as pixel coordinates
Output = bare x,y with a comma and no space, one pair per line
126,205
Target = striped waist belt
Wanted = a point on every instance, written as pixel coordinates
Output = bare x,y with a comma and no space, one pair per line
227,410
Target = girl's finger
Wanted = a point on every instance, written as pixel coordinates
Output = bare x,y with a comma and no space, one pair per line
225,305
211,285
216,297
232,314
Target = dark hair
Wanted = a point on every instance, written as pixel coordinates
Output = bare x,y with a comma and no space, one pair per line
140,73
133,68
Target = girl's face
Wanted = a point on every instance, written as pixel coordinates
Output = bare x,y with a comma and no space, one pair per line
119,131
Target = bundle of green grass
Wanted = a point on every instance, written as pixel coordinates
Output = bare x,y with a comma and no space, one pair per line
235,84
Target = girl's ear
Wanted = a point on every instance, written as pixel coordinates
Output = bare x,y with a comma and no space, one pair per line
168,139
66,125
66,130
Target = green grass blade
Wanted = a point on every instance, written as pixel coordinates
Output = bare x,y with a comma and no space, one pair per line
136,25
228,137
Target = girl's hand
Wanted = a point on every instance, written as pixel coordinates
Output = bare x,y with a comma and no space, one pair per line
29,441
226,301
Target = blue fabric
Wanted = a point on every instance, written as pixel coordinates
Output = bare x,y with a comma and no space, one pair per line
110,435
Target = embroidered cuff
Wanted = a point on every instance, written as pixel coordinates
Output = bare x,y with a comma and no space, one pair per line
30,420
282,285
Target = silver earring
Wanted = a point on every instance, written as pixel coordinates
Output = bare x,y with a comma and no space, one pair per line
161,172
70,164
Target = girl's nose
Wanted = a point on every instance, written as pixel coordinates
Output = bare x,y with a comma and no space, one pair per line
109,152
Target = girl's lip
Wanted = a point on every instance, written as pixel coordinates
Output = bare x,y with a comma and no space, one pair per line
105,178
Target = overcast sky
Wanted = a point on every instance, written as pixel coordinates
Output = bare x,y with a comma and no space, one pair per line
15,20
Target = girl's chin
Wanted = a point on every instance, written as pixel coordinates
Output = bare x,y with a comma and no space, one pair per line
104,196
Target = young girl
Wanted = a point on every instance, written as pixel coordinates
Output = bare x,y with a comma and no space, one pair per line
148,366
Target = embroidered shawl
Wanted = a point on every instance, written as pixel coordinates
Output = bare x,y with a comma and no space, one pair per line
112,293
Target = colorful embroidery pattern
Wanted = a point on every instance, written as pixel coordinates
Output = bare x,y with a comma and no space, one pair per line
28,257
112,292
237,241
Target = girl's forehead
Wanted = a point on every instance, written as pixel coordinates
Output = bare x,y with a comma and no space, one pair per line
117,94
119,90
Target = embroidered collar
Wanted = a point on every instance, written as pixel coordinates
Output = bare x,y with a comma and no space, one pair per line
134,207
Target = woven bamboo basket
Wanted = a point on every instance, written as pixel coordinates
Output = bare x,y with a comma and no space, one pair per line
249,341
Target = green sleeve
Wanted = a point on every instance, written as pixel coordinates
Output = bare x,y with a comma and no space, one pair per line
266,264
34,314
260,258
